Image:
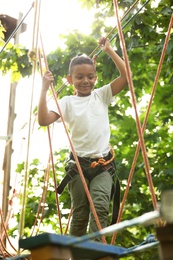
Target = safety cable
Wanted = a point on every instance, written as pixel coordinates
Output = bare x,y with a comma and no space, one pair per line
16,29
128,21
111,31
97,54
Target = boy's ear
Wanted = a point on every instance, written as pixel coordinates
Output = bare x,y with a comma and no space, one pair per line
69,79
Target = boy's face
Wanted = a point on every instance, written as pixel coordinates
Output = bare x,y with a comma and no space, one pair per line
83,78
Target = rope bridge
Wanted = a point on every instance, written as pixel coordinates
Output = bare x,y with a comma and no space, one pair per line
140,131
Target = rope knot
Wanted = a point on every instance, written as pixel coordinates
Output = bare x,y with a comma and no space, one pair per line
32,55
94,164
102,161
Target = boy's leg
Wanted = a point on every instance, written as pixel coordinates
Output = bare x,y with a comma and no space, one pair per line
80,207
100,190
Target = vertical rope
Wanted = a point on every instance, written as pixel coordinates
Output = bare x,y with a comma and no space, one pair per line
68,222
54,177
50,144
24,196
138,125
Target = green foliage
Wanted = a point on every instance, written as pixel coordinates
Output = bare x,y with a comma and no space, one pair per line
15,59
41,199
144,39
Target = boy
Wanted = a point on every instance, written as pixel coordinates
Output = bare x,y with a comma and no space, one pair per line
86,114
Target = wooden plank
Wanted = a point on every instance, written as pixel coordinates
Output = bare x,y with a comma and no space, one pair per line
51,252
86,250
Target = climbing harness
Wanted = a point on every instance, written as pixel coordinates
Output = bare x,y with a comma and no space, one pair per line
86,163
103,164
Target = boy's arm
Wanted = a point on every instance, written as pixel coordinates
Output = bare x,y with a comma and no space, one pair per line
46,117
119,83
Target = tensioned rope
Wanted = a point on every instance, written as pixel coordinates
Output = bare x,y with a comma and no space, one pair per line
34,61
5,230
50,144
40,210
33,58
128,21
145,120
138,125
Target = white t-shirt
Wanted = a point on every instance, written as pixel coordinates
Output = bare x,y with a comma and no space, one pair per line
88,121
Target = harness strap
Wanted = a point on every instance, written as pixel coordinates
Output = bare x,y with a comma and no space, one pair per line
108,165
72,171
68,177
116,202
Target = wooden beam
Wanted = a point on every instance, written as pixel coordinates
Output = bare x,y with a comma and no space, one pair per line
10,126
9,23
165,236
